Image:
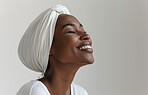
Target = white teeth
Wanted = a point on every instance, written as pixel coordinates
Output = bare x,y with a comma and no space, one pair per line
85,47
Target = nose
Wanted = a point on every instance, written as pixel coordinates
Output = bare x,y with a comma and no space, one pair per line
85,36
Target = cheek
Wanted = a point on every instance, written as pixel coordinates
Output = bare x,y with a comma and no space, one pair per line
65,49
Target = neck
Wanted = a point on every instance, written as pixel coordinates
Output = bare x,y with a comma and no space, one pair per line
60,76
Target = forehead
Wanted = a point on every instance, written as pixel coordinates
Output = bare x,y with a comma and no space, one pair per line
65,19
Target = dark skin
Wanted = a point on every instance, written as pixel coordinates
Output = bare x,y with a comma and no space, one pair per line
65,57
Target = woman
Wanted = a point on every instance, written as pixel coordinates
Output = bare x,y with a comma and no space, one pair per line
56,45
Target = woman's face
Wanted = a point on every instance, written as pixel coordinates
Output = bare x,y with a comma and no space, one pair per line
71,44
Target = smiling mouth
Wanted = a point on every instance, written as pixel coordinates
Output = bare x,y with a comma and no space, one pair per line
86,48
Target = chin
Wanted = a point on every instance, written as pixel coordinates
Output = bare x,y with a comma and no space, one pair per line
91,61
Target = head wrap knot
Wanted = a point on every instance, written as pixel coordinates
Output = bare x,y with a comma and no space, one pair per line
34,46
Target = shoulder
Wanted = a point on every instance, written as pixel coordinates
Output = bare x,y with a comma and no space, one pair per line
78,89
33,87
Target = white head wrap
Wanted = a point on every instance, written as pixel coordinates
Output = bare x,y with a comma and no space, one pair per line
34,47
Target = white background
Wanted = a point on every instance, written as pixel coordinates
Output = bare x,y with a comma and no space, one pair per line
118,28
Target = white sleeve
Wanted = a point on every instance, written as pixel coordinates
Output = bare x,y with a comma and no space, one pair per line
37,91
33,88
78,90
83,91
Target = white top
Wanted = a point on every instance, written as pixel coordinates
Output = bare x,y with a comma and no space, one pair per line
36,87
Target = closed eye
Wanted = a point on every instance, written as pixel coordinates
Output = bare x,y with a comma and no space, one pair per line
75,32
71,32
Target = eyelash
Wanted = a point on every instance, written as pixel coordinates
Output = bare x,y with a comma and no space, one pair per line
74,32
71,32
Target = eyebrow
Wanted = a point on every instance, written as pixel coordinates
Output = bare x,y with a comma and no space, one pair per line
71,24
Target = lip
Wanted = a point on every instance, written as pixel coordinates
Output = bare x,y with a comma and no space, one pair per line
90,50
